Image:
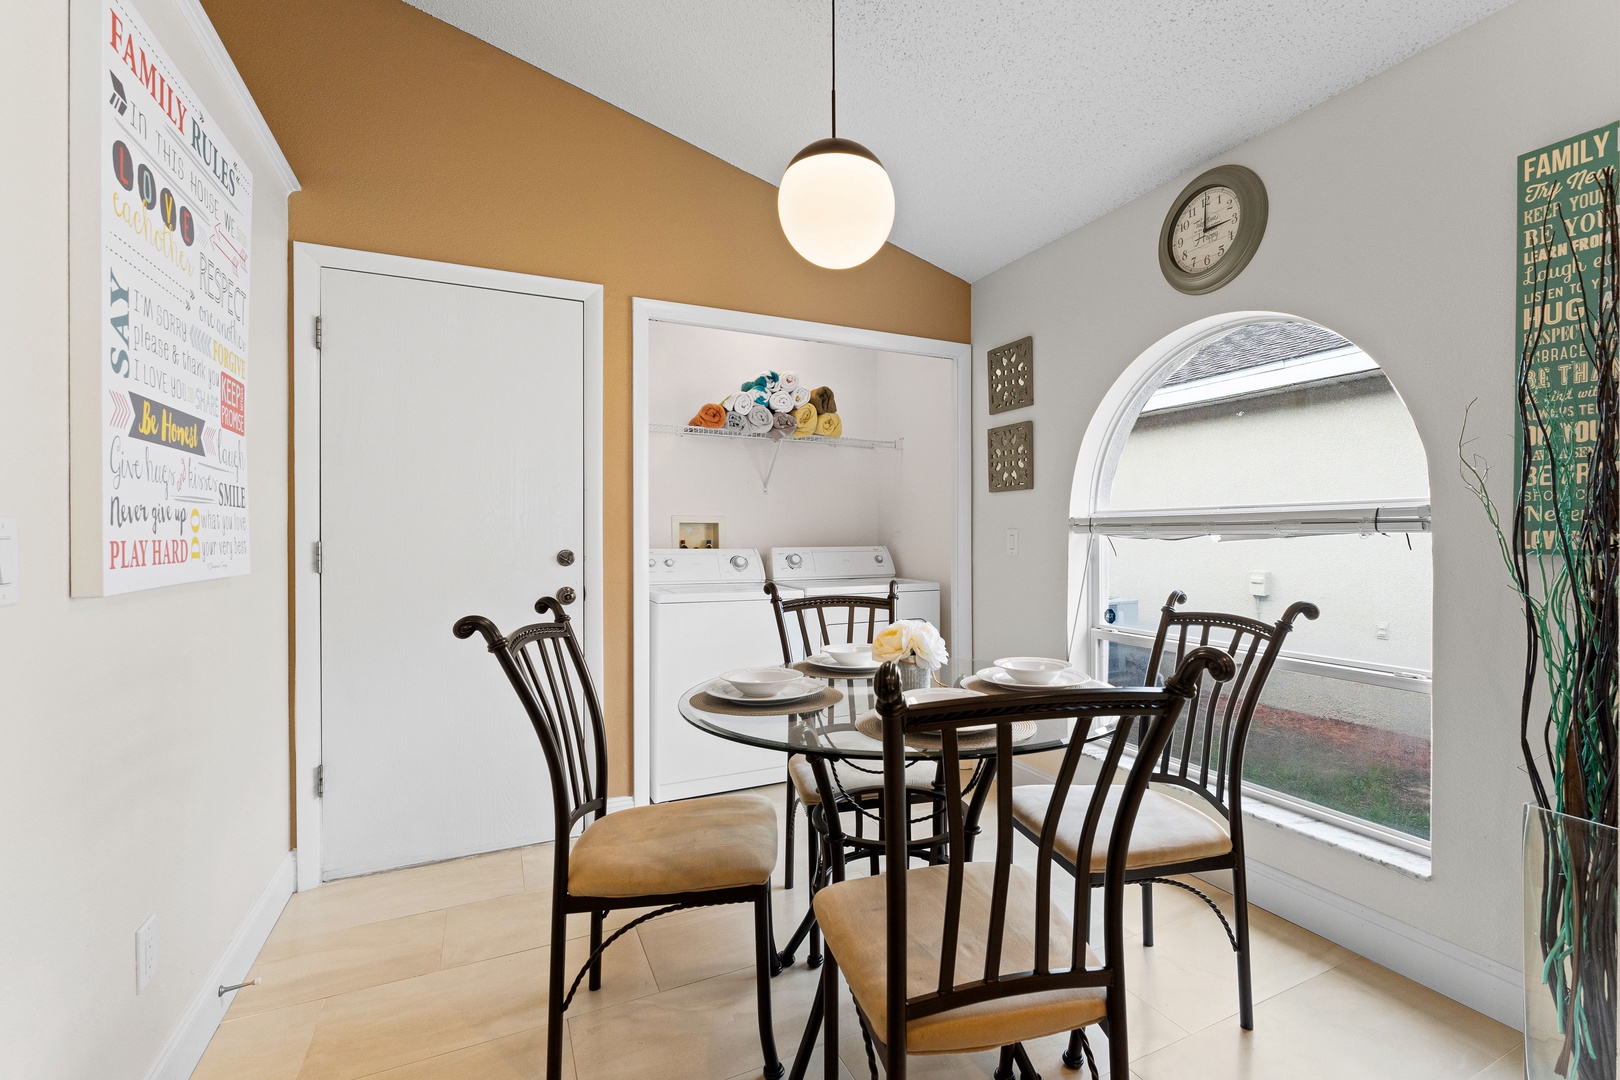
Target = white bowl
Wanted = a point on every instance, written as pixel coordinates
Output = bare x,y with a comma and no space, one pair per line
761,682
1034,670
858,654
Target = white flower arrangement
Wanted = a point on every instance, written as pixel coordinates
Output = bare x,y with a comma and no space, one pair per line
913,640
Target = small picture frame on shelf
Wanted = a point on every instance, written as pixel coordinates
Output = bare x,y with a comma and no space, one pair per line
698,533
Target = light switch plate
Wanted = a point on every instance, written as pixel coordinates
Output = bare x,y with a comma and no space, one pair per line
145,953
8,561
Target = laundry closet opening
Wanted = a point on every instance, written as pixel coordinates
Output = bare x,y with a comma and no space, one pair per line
850,472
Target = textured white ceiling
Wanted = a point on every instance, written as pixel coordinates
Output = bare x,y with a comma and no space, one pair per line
1004,125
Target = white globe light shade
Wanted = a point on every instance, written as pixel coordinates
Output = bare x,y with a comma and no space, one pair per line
836,204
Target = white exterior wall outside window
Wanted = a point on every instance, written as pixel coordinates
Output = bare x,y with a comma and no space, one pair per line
1275,463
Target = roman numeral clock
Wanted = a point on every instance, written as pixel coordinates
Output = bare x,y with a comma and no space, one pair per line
1213,229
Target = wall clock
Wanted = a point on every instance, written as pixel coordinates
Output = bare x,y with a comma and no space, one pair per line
1213,229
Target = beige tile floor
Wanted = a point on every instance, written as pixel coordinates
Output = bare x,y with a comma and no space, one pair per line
438,973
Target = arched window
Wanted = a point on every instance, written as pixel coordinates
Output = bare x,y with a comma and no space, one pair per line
1250,462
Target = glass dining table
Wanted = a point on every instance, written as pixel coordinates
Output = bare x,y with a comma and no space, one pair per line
836,730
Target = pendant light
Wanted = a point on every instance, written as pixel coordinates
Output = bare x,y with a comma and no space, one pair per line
836,203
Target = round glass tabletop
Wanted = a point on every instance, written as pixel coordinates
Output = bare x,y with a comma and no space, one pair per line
831,731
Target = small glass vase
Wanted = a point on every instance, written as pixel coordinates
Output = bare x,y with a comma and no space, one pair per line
1570,942
915,674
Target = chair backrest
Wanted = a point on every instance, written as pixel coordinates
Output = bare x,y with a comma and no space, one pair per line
1156,707
1204,753
546,667
852,619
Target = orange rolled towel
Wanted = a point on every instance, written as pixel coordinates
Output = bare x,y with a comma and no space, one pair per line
829,426
711,416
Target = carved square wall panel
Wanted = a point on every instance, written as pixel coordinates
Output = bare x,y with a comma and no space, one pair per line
1012,375
1012,457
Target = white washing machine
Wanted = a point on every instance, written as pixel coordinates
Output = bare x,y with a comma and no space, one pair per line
852,571
708,615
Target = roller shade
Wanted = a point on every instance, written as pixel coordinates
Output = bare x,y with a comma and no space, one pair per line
1253,522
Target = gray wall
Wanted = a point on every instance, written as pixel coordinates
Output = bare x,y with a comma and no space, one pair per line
1422,158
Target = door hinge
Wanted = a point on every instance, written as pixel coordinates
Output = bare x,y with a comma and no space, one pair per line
320,781
317,331
318,559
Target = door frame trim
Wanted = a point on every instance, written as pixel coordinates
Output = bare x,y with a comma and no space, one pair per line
645,312
308,260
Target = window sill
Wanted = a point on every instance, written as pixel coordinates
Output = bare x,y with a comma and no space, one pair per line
1402,861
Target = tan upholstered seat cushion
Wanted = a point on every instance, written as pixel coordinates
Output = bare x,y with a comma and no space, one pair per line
853,919
855,781
1167,830
697,845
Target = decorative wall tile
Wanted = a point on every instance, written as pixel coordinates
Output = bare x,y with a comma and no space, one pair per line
1012,457
1012,375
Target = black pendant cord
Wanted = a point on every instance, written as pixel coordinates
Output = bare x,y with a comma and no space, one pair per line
834,5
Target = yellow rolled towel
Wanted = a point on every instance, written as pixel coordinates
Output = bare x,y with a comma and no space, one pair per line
710,416
829,426
806,416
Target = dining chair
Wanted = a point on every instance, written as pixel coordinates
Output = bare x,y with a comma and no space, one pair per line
967,956
697,853
1203,757
803,627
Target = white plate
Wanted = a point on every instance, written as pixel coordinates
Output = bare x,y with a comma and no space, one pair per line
1074,680
826,661
797,690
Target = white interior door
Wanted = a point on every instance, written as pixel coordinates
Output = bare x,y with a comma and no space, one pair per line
452,475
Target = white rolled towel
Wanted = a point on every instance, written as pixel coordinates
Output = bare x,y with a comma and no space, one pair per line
736,424
759,418
801,396
739,404
782,402
790,381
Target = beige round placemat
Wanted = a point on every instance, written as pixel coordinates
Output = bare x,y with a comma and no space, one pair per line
870,724
818,671
709,703
973,682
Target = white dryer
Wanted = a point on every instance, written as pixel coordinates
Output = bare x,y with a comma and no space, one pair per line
852,571
708,614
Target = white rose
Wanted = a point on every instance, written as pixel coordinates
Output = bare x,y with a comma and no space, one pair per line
926,643
893,642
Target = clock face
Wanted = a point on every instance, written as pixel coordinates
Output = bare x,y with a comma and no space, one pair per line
1205,229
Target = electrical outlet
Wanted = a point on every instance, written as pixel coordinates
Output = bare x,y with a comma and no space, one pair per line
1260,584
145,953
1012,541
1382,632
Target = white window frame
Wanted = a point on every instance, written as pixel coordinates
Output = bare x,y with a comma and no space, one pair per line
1090,634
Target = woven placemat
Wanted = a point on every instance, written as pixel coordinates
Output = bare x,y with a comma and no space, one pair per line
818,671
870,724
973,682
824,700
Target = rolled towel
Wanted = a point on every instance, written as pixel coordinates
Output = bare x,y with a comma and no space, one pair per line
759,419
801,396
829,426
781,402
804,421
740,403
735,423
783,425
789,381
822,398
710,416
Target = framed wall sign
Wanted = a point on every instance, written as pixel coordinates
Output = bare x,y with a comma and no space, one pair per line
160,221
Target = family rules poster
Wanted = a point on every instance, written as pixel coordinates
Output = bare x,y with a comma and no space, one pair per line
165,500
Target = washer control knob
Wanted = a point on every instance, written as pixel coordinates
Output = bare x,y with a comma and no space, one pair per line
795,561
878,559
669,562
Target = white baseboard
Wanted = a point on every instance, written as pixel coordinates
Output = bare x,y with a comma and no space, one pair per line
185,1047
1476,981
616,803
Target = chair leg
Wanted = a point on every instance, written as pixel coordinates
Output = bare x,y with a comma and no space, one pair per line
1240,923
792,813
1147,914
1119,1050
764,954
596,947
1074,1057
1026,1067
829,1016
818,878
554,997
1004,1067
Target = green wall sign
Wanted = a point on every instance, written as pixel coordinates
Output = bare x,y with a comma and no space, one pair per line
1560,225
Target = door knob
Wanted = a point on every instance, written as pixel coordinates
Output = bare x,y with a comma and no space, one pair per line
565,557
566,595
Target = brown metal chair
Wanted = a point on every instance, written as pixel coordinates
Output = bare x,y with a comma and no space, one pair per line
966,956
803,627
1203,756
697,853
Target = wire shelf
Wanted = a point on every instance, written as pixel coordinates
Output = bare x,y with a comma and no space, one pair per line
808,440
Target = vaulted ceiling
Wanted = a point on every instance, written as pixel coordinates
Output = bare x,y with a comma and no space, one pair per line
1003,125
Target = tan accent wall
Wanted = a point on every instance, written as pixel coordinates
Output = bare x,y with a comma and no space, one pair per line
413,138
